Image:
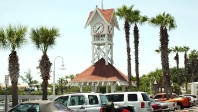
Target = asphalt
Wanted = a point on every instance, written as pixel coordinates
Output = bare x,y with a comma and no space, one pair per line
191,109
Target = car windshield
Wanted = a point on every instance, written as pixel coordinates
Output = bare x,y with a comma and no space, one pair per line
59,106
63,100
104,99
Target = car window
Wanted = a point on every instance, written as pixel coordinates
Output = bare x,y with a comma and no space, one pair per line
77,100
158,96
145,97
116,97
63,100
59,106
28,107
103,99
132,97
93,99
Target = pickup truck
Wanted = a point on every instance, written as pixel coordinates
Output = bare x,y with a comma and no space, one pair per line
182,102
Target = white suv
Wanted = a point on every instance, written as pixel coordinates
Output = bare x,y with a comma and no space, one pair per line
88,102
140,100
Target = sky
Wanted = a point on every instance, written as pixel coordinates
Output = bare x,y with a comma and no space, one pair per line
74,43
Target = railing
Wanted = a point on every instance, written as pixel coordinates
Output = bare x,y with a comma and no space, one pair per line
21,98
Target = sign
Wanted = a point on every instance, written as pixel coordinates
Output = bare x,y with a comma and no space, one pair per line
6,79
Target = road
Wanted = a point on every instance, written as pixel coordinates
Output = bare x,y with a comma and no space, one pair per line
191,109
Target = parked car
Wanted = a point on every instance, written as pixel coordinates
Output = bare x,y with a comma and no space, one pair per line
90,102
139,100
182,102
159,106
192,100
40,106
194,96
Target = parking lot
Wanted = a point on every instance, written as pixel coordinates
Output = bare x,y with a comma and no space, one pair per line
192,109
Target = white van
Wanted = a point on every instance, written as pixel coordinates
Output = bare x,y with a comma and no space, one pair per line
140,100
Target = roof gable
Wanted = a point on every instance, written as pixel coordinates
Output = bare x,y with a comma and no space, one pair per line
106,14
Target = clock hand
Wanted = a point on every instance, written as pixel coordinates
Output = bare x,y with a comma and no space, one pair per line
98,28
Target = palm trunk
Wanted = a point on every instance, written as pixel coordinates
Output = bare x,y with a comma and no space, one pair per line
14,94
164,59
45,84
185,71
127,32
136,44
193,70
14,75
45,67
178,74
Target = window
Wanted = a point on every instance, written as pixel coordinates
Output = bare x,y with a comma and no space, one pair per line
103,99
132,97
93,99
63,100
116,97
59,106
77,100
158,96
145,97
26,107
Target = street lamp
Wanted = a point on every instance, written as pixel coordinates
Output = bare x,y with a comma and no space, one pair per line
62,68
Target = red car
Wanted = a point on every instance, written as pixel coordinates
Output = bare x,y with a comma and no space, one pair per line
157,107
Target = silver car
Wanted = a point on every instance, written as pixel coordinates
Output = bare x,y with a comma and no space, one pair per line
40,106
89,102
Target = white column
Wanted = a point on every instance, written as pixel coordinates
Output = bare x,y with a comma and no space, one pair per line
192,88
92,61
106,88
81,88
112,54
123,88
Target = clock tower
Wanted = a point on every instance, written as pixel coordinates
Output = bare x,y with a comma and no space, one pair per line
102,22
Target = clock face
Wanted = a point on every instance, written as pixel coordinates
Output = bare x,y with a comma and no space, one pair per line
98,28
110,28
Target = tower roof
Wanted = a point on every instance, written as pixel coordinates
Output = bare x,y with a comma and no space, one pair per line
100,72
106,14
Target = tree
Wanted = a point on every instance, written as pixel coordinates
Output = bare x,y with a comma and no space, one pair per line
3,40
15,38
135,19
44,38
193,56
176,50
61,83
126,13
185,49
28,78
164,21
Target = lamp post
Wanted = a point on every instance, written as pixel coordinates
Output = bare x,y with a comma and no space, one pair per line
63,68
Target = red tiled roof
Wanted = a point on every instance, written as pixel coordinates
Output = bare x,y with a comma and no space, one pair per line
107,14
100,72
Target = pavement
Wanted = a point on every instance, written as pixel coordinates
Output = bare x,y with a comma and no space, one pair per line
191,109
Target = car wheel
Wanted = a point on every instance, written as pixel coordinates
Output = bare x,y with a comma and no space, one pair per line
179,106
110,107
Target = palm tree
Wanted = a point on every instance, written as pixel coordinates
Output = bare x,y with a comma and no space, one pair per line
44,38
3,40
135,19
126,13
193,57
164,21
61,82
185,49
176,50
15,37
